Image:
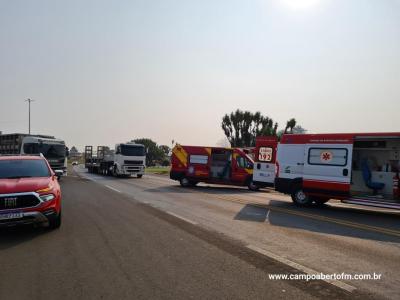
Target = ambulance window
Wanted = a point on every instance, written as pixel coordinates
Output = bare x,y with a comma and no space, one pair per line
244,163
199,159
265,154
240,162
327,156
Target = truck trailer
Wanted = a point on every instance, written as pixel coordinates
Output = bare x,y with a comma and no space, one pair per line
53,149
229,166
127,159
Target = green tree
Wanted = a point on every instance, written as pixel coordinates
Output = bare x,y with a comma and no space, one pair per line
154,154
242,127
297,129
290,125
166,149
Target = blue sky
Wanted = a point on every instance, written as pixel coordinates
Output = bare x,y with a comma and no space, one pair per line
102,72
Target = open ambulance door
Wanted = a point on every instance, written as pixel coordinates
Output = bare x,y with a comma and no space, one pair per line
327,170
199,165
265,157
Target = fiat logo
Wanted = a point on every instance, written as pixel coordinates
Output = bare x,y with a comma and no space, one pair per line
10,202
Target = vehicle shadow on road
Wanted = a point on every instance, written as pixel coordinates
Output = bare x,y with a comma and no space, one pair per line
252,213
327,220
212,190
229,190
13,236
169,189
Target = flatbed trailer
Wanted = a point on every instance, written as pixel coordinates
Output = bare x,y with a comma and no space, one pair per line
97,163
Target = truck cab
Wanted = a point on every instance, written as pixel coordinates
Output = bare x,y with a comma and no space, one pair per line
129,159
54,150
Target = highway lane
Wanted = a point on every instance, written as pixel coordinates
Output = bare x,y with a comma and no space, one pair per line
335,239
113,246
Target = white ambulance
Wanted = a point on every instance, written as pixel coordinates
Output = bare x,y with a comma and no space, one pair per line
356,168
264,161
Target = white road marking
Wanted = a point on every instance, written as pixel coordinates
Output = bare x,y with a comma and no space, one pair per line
337,283
182,218
267,217
111,188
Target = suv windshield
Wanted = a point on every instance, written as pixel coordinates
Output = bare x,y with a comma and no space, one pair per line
132,150
23,168
48,150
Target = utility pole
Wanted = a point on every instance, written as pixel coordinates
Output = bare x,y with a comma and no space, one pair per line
29,103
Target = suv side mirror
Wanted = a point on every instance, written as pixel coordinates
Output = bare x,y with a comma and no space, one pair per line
58,173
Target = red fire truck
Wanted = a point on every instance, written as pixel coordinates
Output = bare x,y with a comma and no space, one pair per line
356,168
193,164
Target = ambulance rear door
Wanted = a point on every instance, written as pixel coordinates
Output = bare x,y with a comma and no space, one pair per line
265,157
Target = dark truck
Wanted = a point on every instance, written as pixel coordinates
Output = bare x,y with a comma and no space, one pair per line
53,149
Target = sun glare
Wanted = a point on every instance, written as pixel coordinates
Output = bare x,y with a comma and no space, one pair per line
300,4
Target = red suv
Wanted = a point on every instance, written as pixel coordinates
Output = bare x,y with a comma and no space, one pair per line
29,192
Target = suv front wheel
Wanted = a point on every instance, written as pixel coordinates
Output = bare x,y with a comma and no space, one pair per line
55,222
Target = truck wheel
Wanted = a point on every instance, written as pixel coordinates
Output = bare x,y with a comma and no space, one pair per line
139,175
252,186
300,198
185,182
55,222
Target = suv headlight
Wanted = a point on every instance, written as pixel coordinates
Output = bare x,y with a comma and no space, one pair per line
47,197
49,188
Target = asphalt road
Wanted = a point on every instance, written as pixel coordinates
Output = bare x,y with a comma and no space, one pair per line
148,238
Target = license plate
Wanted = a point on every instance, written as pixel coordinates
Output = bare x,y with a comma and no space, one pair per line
11,215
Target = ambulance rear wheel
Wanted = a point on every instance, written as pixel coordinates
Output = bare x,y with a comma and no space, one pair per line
185,182
252,186
300,198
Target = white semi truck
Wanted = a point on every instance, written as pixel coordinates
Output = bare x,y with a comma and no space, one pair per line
127,159
54,150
